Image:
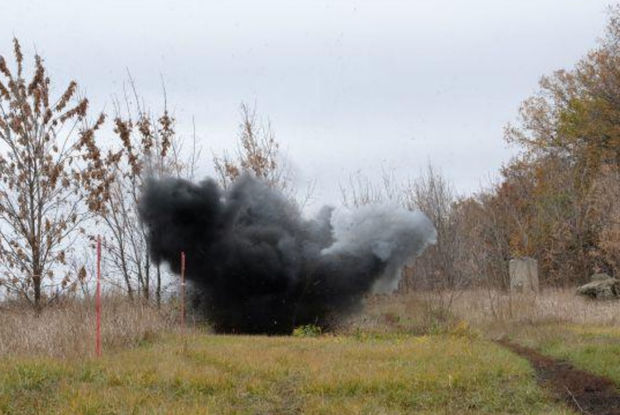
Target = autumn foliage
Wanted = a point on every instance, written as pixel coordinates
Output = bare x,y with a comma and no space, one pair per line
559,200
53,177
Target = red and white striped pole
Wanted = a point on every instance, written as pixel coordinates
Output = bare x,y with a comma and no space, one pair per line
182,290
98,300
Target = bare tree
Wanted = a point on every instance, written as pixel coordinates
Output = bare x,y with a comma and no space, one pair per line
150,149
360,190
440,271
52,178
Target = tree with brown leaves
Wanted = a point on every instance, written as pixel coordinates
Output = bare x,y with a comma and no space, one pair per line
53,176
257,154
576,113
570,135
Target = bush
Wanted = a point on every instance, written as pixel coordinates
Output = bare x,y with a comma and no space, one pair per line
308,330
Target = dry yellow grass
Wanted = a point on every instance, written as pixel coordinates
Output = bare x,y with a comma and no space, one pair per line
68,329
484,309
551,305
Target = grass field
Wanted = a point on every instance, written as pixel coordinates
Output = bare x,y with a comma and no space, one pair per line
203,373
401,355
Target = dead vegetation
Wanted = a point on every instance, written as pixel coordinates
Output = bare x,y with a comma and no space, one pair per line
551,305
489,313
67,329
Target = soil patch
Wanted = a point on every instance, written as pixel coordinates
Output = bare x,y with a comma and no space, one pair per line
585,392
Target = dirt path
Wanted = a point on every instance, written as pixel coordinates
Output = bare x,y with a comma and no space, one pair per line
585,392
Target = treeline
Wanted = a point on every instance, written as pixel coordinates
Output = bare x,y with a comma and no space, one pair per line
559,200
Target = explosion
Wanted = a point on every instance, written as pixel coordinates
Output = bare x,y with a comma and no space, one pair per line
257,266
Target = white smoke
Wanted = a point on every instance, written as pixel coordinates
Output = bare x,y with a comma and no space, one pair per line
393,234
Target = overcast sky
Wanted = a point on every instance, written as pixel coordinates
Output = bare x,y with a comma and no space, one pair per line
348,85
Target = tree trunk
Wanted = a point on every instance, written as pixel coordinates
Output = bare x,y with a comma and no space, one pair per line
36,284
158,288
147,279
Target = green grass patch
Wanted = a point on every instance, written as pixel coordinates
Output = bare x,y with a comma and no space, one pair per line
594,349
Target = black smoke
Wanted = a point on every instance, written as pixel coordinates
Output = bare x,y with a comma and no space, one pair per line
257,266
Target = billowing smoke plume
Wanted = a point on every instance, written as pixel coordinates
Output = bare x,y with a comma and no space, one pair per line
258,267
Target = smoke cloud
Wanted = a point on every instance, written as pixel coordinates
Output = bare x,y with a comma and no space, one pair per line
257,266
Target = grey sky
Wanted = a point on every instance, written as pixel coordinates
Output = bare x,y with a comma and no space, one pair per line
348,85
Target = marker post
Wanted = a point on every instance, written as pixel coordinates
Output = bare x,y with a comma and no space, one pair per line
182,290
98,300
